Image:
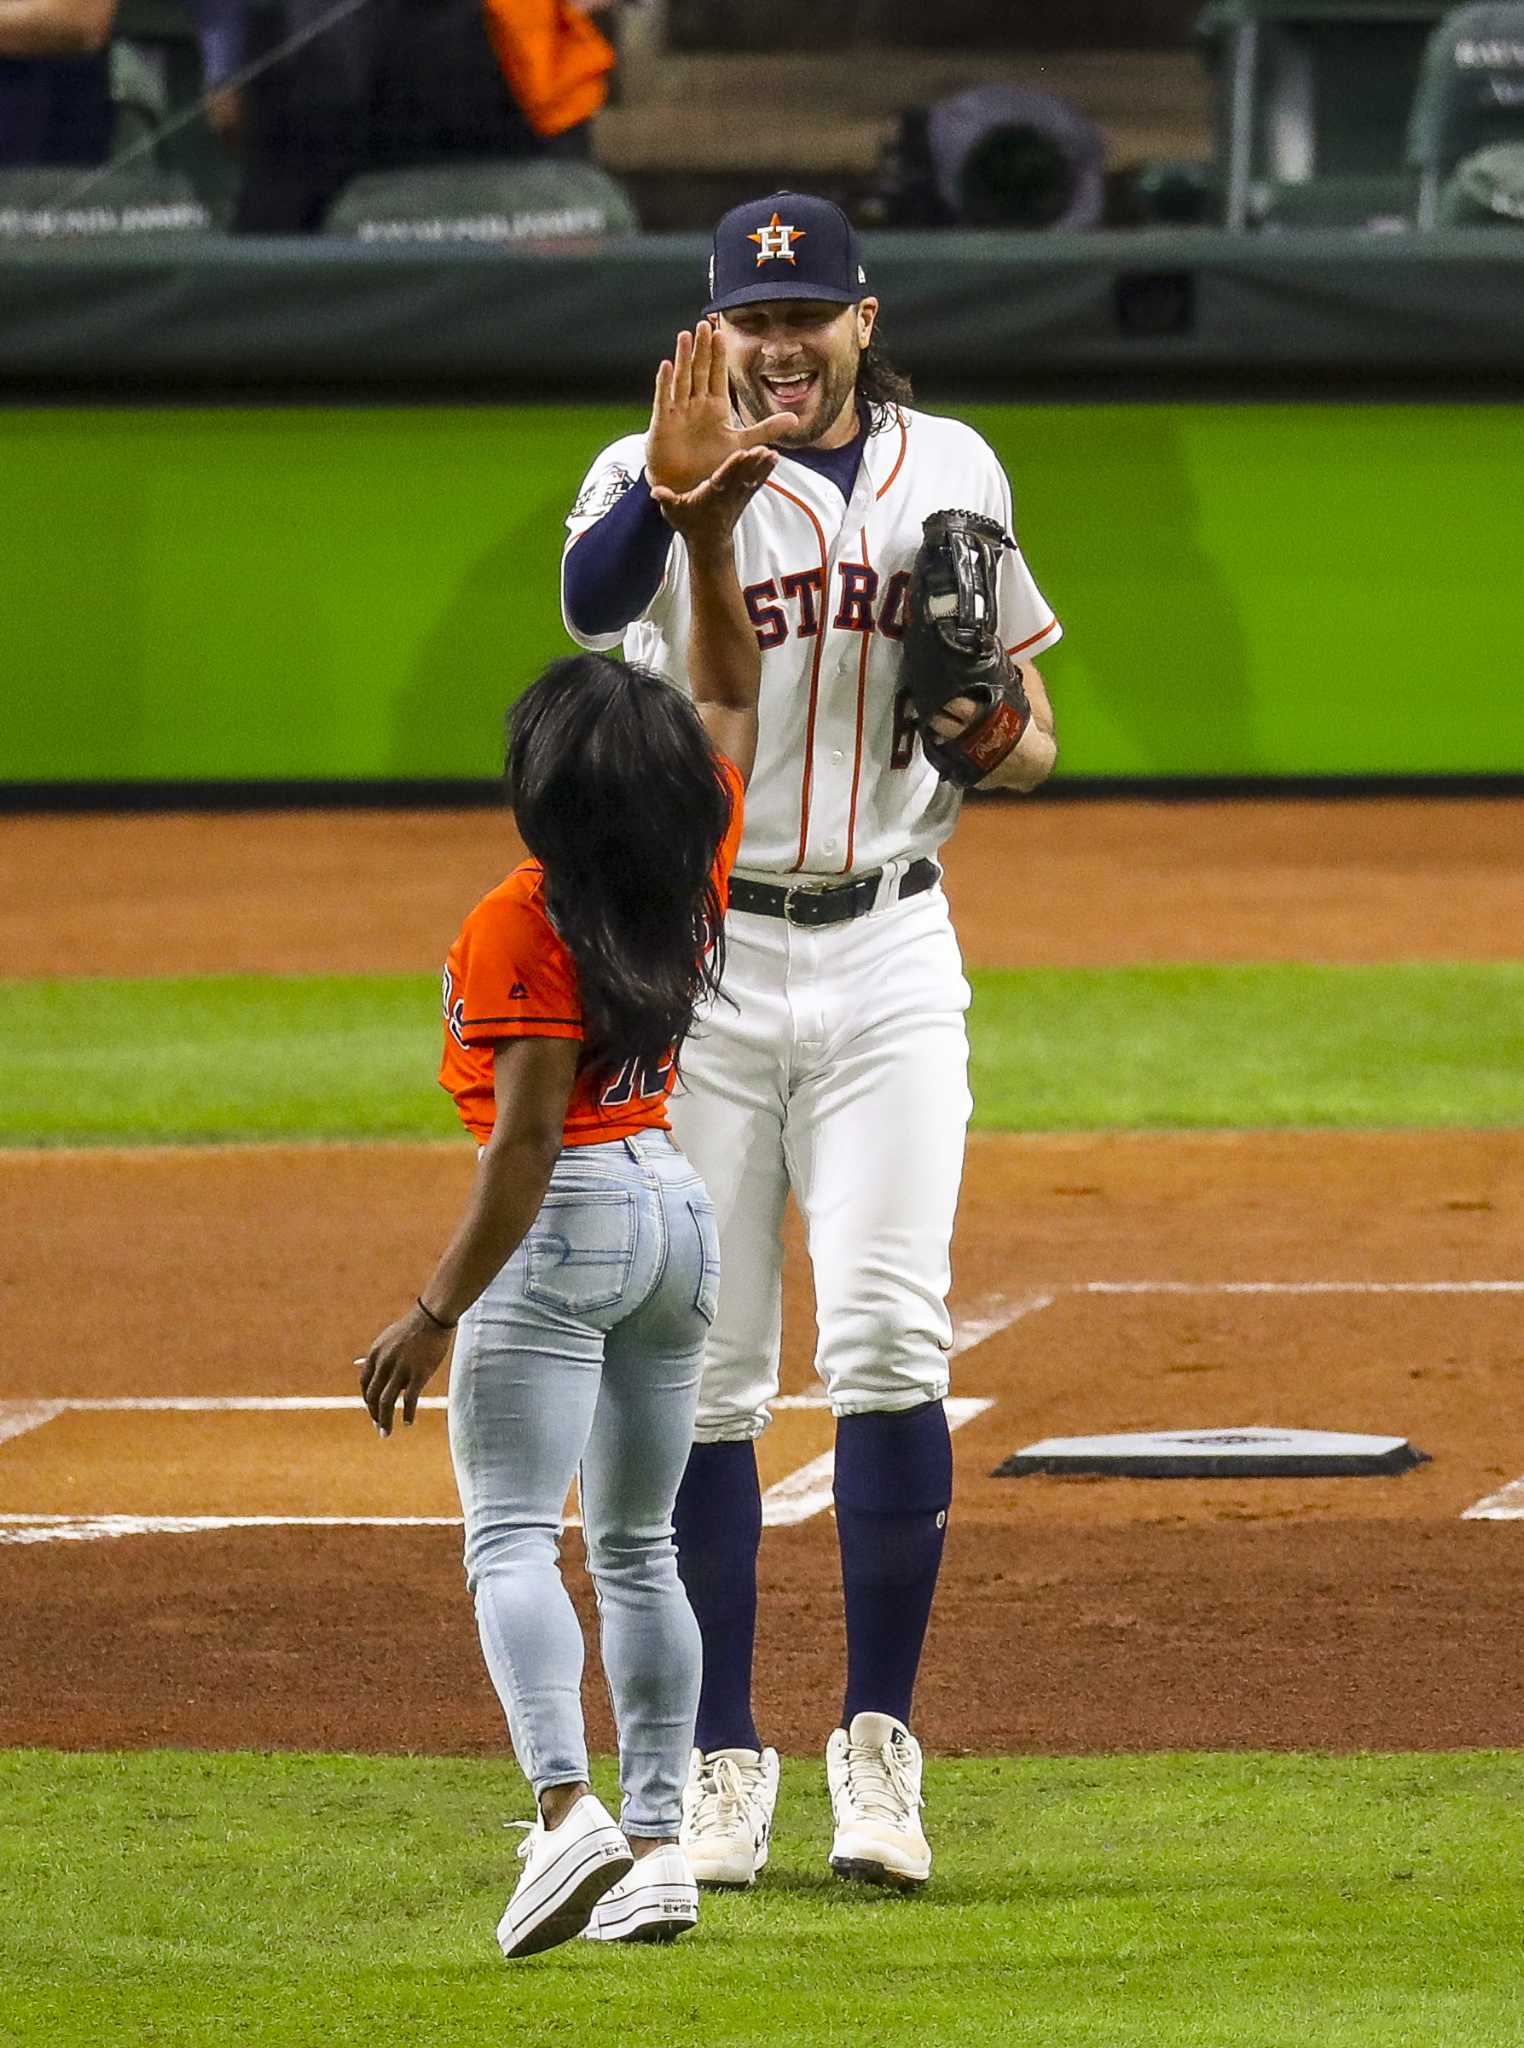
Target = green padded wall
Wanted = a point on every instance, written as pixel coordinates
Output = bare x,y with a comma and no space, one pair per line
317,593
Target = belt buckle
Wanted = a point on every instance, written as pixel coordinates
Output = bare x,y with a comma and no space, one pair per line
788,903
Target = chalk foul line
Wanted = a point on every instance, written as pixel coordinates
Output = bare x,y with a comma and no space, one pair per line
991,1317
802,1495
17,1417
99,1528
1506,1505
1297,1287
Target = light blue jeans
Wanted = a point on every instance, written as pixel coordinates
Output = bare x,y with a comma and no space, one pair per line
582,1358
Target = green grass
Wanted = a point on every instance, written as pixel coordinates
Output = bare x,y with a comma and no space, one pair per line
1181,1048
1213,1901
221,1056
275,1056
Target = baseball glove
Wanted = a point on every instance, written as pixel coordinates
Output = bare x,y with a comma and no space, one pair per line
952,646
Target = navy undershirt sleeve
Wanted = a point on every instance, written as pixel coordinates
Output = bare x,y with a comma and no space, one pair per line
616,568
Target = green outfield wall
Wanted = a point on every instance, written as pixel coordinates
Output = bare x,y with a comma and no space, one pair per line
317,593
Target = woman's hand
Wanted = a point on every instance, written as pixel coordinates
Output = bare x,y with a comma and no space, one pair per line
692,432
709,512
399,1365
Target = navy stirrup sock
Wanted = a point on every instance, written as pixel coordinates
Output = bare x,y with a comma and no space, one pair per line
718,1519
893,1490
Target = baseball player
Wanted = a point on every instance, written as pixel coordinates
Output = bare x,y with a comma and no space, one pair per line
584,1270
897,653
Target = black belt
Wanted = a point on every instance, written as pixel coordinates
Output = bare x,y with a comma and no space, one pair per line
827,906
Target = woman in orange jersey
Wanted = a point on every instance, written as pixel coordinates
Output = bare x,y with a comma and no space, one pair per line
583,1274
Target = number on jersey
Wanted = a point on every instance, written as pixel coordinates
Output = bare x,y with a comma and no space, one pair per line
638,1081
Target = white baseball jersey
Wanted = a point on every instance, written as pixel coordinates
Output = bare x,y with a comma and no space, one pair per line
839,786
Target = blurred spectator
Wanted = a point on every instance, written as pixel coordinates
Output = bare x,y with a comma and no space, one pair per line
389,84
222,32
57,104
55,89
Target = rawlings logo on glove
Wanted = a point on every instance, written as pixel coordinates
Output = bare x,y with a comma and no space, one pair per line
952,646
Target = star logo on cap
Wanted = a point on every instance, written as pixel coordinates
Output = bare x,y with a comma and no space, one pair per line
775,242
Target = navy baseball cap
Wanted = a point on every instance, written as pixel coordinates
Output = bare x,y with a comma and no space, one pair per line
789,245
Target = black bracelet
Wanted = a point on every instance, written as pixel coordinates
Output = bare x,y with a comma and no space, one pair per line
438,1321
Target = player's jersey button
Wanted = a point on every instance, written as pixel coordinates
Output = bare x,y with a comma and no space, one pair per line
837,756
828,845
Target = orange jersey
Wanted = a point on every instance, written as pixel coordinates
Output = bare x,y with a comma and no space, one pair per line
510,976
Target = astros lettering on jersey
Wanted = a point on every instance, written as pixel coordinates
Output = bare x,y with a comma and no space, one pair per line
839,786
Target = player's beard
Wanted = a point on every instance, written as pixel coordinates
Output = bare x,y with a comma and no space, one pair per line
837,382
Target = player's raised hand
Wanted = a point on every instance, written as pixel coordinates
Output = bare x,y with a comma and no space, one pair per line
692,427
710,510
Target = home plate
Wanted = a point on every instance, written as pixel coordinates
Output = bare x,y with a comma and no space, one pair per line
1217,1454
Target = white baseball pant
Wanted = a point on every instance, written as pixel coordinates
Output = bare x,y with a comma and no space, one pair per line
842,1072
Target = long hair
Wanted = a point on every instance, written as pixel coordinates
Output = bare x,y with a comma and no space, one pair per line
884,387
619,795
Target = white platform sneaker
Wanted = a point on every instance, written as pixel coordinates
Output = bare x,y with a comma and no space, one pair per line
658,1901
728,1813
567,1870
874,1771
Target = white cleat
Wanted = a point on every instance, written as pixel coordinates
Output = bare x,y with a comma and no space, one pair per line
567,1870
658,1901
728,1814
874,1771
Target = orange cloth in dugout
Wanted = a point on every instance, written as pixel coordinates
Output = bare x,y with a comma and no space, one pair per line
510,976
555,61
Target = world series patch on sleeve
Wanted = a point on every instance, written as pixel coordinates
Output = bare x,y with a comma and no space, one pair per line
602,492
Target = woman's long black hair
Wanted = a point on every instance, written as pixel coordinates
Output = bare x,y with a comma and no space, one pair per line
619,795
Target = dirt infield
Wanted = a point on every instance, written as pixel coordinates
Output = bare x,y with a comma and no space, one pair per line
1078,885
1074,1614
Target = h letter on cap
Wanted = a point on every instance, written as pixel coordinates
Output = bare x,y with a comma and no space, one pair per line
775,242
